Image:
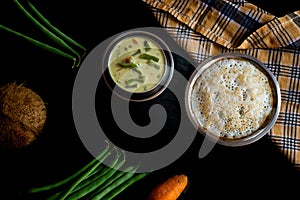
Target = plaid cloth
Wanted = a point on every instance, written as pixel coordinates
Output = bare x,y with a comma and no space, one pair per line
208,27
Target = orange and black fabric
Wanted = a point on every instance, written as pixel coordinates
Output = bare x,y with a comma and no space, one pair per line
208,27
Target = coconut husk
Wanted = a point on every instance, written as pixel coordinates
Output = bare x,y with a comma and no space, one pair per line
22,115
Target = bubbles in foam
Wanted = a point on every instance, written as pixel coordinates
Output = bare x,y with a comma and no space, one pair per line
232,98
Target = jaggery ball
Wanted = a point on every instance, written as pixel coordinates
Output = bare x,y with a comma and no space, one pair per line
22,116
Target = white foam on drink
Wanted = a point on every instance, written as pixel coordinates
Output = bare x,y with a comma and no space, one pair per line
232,98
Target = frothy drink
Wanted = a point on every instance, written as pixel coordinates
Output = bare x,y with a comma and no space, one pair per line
232,98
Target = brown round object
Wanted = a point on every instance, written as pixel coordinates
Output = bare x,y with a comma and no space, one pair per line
22,115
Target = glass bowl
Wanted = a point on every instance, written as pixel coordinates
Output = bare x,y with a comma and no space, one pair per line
139,65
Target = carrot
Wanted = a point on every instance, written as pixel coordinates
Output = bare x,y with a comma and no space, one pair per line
170,189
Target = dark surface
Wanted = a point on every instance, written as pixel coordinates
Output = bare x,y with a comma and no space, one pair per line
250,171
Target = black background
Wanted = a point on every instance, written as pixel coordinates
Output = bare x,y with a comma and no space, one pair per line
250,171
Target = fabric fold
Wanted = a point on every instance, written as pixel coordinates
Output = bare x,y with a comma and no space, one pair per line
234,24
276,33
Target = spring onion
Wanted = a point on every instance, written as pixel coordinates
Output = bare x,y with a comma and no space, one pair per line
137,71
94,185
67,180
109,181
95,180
116,183
56,30
131,86
149,57
62,40
147,46
38,43
136,53
140,79
80,179
48,33
153,64
128,65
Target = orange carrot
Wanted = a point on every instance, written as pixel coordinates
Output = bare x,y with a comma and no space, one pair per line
170,189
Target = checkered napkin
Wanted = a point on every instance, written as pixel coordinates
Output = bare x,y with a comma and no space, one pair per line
208,27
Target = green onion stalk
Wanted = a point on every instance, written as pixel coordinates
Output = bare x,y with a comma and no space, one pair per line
65,44
95,180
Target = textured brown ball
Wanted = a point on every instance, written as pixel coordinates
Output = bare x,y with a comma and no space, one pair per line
22,116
